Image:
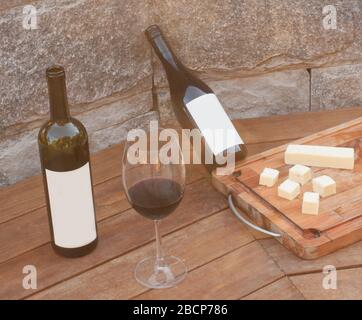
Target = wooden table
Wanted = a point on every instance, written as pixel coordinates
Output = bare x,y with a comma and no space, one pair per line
225,259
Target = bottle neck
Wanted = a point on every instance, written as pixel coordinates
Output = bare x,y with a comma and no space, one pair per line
168,58
58,101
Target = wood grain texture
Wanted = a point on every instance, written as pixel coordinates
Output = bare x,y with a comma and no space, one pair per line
230,277
291,264
117,235
349,285
339,221
105,165
282,289
115,279
292,126
255,148
32,230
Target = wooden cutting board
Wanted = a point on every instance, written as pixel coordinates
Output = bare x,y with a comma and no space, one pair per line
339,222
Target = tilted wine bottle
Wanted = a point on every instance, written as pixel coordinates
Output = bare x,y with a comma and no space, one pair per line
64,155
196,105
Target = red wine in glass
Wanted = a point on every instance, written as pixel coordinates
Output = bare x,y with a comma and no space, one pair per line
155,198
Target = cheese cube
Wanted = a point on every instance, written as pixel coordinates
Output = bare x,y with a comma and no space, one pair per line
289,189
320,156
268,177
310,203
324,185
300,174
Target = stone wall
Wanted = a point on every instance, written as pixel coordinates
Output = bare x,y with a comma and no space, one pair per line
261,57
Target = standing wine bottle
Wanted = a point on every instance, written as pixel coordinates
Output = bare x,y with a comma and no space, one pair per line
196,105
64,155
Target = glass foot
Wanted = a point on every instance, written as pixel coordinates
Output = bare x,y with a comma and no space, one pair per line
169,272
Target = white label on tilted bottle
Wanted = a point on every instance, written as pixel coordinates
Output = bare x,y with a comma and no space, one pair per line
215,125
71,207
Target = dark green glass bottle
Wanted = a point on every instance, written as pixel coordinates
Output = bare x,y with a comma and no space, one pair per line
196,106
64,155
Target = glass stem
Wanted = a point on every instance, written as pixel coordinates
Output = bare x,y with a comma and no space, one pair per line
159,250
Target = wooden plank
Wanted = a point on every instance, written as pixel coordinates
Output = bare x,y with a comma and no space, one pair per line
31,230
349,285
21,198
117,235
294,125
282,289
255,148
115,279
110,199
229,277
291,264
105,165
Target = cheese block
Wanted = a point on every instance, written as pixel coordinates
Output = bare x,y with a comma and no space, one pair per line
300,174
310,203
289,189
324,185
320,156
268,177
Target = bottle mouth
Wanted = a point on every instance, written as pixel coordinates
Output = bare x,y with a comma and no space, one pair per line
153,31
55,71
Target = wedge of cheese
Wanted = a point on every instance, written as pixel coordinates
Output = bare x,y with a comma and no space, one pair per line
320,156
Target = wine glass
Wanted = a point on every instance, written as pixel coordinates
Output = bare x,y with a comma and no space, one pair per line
154,182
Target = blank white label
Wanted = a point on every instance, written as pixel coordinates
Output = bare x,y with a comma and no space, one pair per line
214,124
71,206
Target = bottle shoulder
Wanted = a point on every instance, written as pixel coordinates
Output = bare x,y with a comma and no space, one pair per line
189,87
53,131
